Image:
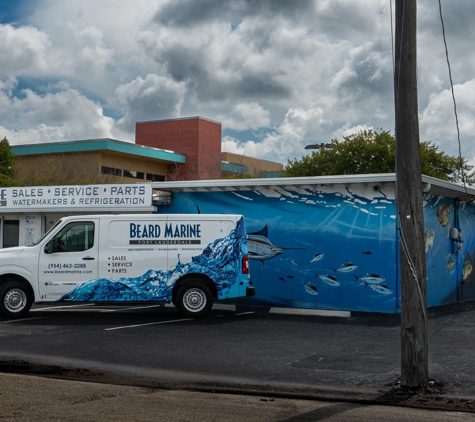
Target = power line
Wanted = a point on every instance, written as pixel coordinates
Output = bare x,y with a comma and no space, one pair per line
462,172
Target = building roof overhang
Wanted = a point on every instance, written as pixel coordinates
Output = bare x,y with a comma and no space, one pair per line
429,184
106,144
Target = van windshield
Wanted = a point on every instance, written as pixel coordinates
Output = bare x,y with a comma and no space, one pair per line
48,232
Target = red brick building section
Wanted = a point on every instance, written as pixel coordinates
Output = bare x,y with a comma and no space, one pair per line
199,139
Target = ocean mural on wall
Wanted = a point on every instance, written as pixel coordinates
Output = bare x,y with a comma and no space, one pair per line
338,247
449,258
317,248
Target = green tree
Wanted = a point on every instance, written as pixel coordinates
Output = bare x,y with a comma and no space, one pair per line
369,152
8,169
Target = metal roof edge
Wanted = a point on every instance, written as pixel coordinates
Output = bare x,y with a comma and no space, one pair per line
177,119
449,189
280,181
77,211
429,184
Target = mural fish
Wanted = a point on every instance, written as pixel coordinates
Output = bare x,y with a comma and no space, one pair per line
370,279
443,216
450,264
346,268
328,279
467,267
311,289
429,239
381,288
367,252
261,248
316,257
294,262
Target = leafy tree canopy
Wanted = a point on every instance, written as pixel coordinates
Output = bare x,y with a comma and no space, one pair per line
8,169
369,152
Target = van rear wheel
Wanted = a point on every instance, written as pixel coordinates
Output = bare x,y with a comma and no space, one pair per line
194,299
15,299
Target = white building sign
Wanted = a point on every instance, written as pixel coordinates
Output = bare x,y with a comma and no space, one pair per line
77,197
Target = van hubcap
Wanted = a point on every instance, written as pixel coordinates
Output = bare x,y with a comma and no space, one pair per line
194,300
15,300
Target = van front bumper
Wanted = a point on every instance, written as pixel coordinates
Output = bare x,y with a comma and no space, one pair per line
250,291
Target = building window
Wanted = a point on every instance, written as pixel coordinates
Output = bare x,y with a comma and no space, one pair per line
150,176
154,177
111,170
130,173
11,233
133,174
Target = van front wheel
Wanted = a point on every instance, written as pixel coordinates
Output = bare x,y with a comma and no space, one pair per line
15,299
194,300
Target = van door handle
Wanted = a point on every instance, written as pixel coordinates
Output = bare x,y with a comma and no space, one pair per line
88,258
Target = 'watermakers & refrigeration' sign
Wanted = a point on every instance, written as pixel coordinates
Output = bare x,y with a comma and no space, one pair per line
76,197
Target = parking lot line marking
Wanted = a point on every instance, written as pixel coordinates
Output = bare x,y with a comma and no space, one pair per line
20,320
245,313
148,323
310,312
224,307
135,307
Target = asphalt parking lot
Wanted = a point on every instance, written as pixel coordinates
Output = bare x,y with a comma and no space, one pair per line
232,346
237,349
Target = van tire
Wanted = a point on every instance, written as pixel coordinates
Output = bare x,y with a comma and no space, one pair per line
194,299
15,299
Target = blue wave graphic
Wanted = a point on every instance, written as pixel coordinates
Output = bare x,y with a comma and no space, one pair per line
220,261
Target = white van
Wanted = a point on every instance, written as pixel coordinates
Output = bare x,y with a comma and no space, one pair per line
179,258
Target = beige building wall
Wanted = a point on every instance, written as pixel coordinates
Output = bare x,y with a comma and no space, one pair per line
254,166
92,163
131,163
29,163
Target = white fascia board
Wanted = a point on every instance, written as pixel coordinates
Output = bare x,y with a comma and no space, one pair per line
221,184
74,211
429,184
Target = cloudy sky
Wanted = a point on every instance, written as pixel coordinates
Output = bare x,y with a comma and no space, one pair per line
278,74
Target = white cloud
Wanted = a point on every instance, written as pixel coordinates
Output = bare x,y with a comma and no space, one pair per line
438,123
230,144
92,55
70,115
7,85
22,50
152,98
246,116
346,130
282,142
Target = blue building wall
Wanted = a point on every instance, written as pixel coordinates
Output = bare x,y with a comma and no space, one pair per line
338,248
449,263
323,249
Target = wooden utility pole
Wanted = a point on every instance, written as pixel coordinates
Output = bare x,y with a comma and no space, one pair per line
414,338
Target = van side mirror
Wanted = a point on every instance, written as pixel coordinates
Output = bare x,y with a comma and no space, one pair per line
51,247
